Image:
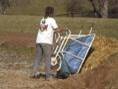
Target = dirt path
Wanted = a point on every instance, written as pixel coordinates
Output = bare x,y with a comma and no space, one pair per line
17,39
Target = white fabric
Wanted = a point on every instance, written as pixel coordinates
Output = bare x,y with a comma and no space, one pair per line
45,33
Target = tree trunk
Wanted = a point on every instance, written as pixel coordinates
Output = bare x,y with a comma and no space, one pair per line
4,4
104,9
95,10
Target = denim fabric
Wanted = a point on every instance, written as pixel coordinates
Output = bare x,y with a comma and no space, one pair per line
43,51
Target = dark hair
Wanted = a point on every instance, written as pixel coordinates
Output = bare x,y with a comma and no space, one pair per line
49,11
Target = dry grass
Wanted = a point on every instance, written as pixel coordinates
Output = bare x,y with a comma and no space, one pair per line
103,48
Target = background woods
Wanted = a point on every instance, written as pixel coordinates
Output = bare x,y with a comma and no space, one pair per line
87,8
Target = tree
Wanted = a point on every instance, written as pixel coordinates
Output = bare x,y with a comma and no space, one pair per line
74,7
71,7
4,4
113,8
100,8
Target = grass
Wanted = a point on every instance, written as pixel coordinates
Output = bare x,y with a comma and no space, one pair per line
17,23
16,55
106,27
20,23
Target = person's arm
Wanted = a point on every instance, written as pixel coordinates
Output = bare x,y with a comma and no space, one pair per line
58,30
38,26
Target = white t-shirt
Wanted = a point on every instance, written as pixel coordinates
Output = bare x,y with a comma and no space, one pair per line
45,33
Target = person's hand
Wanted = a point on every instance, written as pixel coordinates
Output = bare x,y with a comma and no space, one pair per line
37,26
59,30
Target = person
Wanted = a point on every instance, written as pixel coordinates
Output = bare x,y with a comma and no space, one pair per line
44,42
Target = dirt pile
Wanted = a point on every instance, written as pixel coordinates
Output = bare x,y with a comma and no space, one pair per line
102,77
102,49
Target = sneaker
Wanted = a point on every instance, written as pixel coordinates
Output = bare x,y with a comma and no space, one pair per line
49,78
36,75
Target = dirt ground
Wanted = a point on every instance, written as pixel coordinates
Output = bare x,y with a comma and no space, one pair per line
17,39
98,72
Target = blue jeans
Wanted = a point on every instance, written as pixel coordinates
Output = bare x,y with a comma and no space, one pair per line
43,50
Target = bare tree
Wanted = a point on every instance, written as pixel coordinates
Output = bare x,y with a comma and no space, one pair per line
71,7
4,4
100,8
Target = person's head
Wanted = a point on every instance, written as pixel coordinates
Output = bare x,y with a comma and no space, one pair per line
49,11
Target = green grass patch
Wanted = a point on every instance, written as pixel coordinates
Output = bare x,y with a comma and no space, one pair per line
16,54
19,23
